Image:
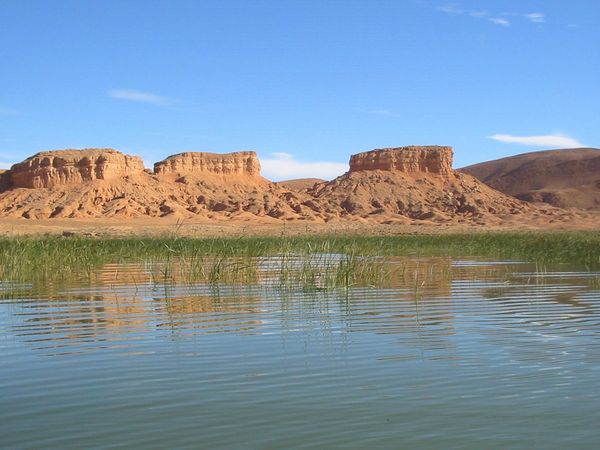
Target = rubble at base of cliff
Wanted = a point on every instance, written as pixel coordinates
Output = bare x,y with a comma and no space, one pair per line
415,183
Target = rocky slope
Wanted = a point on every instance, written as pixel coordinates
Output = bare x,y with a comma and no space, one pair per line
229,184
413,183
299,184
71,167
108,183
563,178
406,184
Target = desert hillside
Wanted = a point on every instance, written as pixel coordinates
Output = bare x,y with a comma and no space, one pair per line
399,184
107,183
404,185
563,178
300,184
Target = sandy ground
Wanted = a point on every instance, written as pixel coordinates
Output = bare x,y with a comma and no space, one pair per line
200,228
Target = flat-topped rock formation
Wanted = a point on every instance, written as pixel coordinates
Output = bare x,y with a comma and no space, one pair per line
68,167
199,163
405,185
563,178
107,183
414,183
412,159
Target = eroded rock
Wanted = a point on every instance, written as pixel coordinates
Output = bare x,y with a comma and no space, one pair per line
4,180
412,159
67,167
189,163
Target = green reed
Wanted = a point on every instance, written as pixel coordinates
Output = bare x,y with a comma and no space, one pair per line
316,261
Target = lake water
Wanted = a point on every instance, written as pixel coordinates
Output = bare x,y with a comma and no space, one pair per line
473,354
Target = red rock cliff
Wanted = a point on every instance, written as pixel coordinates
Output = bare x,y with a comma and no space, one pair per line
68,167
428,159
189,163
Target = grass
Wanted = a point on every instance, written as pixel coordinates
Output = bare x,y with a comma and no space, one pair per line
317,261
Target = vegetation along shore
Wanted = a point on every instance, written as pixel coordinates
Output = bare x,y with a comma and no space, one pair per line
332,260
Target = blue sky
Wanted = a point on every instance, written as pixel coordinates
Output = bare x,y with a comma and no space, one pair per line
304,83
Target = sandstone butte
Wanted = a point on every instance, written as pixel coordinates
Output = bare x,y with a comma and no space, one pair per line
244,164
413,184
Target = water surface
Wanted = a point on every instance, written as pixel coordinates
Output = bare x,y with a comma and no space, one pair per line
469,354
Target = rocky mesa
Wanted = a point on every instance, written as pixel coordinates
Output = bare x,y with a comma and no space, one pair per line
70,167
414,184
432,159
107,183
201,163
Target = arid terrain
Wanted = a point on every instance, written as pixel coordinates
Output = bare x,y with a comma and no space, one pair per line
386,191
563,178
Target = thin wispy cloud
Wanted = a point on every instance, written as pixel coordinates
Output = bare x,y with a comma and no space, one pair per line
536,17
500,21
479,14
140,96
548,140
284,166
450,8
497,18
379,112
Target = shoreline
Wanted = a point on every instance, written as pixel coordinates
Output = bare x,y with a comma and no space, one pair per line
164,227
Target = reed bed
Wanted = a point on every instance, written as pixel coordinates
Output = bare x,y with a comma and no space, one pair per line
316,261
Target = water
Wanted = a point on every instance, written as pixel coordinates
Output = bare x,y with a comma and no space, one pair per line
472,354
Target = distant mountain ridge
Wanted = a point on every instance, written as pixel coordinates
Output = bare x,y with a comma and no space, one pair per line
563,178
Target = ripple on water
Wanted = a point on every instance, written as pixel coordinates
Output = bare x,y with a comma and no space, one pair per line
476,354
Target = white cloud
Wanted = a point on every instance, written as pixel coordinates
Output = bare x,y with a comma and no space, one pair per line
450,8
548,141
6,164
282,156
499,21
139,96
283,166
497,18
478,14
536,17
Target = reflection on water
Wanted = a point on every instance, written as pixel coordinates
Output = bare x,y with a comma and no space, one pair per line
456,354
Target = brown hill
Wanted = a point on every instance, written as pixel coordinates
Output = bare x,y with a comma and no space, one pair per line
107,183
391,185
414,183
299,184
4,180
563,178
229,184
72,167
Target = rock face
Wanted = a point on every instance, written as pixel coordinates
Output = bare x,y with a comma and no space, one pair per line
190,163
563,178
4,179
413,159
412,183
398,185
68,167
107,183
